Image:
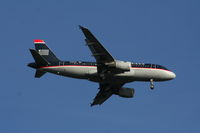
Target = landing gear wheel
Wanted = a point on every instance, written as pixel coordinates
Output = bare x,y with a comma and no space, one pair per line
151,84
151,87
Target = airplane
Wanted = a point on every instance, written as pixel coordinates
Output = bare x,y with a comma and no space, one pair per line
109,73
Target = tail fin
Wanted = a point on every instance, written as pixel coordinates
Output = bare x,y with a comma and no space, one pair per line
44,51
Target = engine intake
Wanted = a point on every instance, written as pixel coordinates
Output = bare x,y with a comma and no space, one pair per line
126,92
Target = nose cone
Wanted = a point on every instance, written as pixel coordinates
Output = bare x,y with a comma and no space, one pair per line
171,75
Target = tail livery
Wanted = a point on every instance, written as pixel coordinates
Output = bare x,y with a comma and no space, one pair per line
43,56
44,51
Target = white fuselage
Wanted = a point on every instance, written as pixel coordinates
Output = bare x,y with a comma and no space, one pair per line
90,73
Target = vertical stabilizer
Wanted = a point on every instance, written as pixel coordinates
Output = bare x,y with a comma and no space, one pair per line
44,51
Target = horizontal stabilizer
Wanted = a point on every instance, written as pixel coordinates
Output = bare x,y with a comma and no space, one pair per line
39,60
39,73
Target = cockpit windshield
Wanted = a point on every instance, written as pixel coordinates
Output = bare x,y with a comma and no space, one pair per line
161,67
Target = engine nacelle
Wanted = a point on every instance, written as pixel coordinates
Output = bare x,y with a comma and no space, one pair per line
120,65
126,92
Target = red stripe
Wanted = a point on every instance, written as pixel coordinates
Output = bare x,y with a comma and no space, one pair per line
38,41
65,66
96,66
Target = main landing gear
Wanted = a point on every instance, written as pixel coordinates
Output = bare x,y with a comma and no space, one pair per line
151,84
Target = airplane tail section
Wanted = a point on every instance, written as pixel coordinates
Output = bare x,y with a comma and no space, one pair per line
44,51
43,56
39,73
39,61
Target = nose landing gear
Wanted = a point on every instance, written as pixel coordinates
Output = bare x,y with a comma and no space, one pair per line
151,84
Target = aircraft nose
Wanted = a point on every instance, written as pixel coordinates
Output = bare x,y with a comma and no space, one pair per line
172,75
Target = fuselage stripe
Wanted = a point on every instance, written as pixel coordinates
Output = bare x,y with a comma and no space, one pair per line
96,66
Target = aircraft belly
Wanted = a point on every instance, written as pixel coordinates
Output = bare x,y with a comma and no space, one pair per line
124,77
147,74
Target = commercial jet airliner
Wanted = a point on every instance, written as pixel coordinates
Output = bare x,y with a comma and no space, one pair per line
109,73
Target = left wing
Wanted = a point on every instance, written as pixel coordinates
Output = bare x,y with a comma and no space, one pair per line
101,55
98,51
105,92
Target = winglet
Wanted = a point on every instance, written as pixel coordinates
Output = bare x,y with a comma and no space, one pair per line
81,27
39,41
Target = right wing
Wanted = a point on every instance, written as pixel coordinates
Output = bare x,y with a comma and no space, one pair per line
105,92
101,97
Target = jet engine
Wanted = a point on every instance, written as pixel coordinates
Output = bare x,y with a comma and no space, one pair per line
121,65
126,92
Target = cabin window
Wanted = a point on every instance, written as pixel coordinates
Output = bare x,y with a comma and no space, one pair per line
153,66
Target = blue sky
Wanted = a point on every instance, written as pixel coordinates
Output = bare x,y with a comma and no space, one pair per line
161,32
